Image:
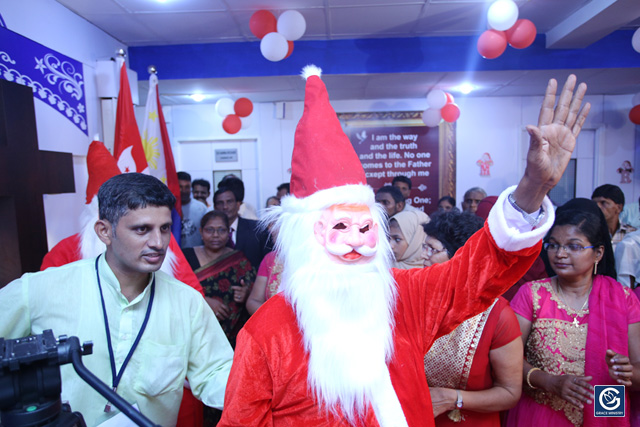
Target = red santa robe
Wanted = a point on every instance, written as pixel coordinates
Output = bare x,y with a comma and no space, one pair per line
268,381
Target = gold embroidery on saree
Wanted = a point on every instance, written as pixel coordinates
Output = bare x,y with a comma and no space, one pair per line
448,362
557,347
275,277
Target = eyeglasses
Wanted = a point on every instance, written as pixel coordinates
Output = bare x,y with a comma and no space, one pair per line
430,251
570,248
220,231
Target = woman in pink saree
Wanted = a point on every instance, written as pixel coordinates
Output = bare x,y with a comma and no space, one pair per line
580,328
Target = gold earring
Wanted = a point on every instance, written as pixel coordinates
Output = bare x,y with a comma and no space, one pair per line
595,268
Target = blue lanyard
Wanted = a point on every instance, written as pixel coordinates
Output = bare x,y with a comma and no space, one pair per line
117,377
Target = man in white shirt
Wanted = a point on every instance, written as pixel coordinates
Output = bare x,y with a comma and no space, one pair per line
122,296
246,234
192,212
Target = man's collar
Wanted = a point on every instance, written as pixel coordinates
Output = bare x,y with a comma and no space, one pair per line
234,224
108,279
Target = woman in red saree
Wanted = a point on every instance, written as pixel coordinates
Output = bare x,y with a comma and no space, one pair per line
580,328
479,363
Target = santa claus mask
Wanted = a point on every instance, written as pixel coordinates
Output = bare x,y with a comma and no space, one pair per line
348,233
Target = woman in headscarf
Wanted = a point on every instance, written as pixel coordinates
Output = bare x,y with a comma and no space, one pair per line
406,236
580,327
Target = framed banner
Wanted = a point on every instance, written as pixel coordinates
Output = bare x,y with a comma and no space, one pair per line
398,143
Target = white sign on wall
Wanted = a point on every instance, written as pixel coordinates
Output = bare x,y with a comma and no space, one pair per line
226,155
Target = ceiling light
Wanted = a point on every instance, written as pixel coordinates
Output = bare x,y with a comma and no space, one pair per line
197,97
466,88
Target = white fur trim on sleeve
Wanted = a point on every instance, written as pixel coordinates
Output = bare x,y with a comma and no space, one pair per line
510,230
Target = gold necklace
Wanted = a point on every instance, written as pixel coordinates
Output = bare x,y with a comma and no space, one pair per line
575,316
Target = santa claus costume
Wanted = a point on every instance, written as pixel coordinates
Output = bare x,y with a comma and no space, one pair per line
101,166
343,343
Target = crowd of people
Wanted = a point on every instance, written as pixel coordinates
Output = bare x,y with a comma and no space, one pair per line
347,307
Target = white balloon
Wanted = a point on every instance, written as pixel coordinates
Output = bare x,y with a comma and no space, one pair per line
246,122
636,99
635,40
224,107
502,15
436,99
431,117
291,25
274,47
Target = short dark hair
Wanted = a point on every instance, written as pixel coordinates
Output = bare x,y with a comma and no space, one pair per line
402,178
572,213
272,198
395,193
184,176
284,186
610,191
201,182
221,190
449,199
453,228
131,191
214,214
234,184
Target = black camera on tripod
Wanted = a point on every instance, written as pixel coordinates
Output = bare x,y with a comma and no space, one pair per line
30,383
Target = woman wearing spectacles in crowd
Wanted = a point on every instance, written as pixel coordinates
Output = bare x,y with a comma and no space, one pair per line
580,328
475,371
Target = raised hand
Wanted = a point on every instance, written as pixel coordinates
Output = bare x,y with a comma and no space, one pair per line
552,141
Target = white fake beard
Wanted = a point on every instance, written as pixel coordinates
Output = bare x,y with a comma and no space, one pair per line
345,313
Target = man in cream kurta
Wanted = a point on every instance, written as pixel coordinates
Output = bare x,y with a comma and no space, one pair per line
182,338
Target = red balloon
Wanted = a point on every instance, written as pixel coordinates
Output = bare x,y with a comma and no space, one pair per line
243,107
450,99
231,124
290,49
492,44
262,23
634,114
450,112
522,34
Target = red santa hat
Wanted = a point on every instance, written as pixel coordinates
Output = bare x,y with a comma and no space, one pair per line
325,169
101,166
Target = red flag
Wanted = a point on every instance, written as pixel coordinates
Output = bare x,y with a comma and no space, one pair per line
127,146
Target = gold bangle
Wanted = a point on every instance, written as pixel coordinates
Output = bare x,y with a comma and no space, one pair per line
529,377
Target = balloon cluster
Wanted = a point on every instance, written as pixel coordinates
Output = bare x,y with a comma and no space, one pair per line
505,28
277,35
236,114
441,107
634,114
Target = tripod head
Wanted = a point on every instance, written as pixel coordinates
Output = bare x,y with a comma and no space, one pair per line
30,383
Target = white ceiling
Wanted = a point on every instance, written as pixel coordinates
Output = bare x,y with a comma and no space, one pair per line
567,24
